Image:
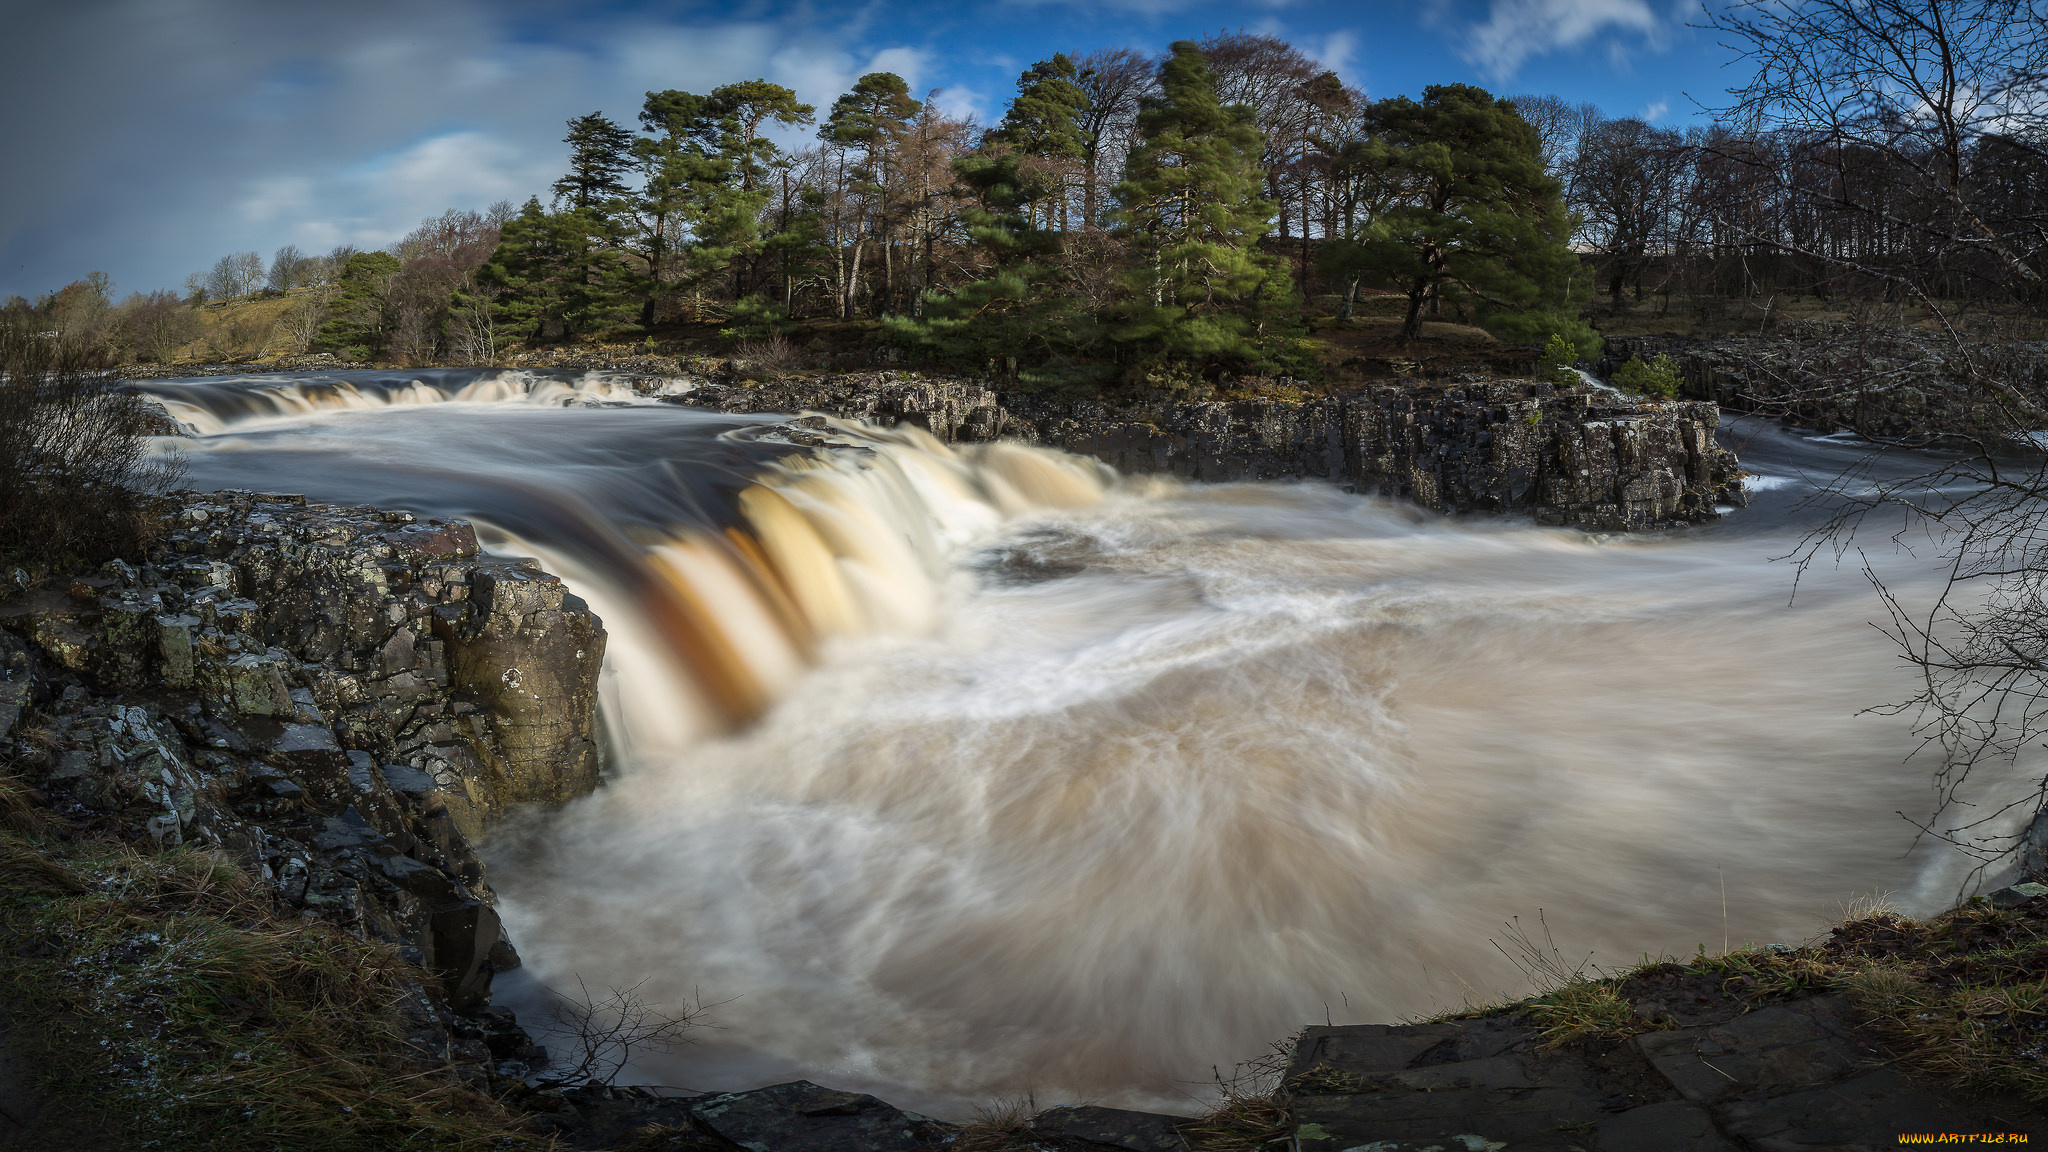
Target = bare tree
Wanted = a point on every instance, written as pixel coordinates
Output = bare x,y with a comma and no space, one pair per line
287,267
1560,124
1874,116
1623,181
158,324
601,1033
1115,79
299,324
1922,86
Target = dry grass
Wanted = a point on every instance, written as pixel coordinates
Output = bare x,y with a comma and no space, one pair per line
1251,1114
768,358
179,1004
998,1126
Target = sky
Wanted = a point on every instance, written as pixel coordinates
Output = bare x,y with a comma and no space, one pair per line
147,138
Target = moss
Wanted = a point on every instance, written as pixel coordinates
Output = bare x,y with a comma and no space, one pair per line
173,1004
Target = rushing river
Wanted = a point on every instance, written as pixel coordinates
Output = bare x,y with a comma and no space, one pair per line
961,774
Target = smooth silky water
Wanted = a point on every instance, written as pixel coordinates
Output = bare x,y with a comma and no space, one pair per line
956,774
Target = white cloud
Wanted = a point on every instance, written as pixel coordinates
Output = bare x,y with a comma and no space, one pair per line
1654,111
962,103
392,193
908,63
1338,51
1515,30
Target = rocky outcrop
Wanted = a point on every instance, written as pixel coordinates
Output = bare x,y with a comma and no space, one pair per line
1883,383
1565,455
341,698
405,642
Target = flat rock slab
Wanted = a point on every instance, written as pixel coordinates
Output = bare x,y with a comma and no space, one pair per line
1525,1118
1668,1126
1771,1051
1478,1083
803,1117
1112,1127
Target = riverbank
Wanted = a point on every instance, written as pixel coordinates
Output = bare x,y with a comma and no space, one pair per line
249,776
1571,456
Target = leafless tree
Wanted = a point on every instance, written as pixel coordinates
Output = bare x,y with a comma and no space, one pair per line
1115,79
300,323
77,481
287,268
158,324
1623,181
1874,118
601,1033
1560,124
1918,88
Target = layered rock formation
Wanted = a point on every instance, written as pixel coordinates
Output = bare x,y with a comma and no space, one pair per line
1883,383
1567,456
343,699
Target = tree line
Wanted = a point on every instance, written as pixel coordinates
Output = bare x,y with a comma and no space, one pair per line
1164,218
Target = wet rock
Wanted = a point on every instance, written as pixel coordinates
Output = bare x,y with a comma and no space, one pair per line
1112,1127
1669,1126
1802,1075
2018,894
530,655
251,684
1780,1048
599,1116
1489,1080
1474,445
14,700
802,1117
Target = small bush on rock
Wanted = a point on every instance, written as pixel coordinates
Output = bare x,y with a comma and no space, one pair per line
78,483
1656,378
1558,361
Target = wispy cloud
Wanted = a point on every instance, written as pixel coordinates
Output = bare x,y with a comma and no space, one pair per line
1654,111
1515,30
1338,52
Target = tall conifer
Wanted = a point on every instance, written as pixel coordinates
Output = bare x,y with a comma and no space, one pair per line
1202,291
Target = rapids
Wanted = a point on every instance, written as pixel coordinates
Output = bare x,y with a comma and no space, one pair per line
962,773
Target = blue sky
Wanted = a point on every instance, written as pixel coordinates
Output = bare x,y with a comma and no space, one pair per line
147,138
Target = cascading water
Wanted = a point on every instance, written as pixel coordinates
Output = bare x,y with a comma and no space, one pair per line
957,773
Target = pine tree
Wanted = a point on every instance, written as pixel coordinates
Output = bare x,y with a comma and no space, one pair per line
739,110
1203,293
554,280
358,323
872,117
1484,227
1044,123
600,152
1026,312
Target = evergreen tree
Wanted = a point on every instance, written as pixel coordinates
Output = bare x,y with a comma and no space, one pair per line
739,110
684,179
870,115
358,321
873,118
1483,227
1202,292
600,152
1026,311
1045,123
552,279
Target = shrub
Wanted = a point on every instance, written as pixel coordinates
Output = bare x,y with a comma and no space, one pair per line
1656,378
78,483
1558,361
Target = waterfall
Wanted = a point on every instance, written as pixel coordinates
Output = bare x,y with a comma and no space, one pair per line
956,772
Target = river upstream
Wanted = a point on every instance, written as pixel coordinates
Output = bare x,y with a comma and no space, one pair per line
956,774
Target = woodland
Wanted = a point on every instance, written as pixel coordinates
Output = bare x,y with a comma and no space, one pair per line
1154,222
